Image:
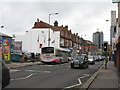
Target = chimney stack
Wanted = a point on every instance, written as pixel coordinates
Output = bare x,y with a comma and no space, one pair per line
37,19
55,23
66,26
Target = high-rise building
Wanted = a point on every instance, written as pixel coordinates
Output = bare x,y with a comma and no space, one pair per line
98,39
113,26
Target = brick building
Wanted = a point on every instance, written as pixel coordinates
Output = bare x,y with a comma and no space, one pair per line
69,39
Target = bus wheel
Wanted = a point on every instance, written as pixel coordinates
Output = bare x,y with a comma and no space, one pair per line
60,61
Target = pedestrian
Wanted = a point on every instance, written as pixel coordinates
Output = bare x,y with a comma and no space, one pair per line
33,57
106,61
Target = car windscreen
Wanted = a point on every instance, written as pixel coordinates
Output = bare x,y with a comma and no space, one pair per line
77,57
47,50
90,57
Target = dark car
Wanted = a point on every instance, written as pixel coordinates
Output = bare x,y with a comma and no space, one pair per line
5,74
79,61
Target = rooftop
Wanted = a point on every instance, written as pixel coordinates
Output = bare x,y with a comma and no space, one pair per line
4,35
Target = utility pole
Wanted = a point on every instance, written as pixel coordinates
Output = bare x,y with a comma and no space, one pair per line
49,29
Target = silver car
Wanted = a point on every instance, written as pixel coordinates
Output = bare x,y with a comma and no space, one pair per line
91,59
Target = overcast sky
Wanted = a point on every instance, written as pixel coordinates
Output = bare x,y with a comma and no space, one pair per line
81,16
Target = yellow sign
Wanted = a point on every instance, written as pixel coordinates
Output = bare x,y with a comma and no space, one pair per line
6,56
110,48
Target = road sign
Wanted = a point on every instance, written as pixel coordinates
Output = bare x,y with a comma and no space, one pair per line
116,1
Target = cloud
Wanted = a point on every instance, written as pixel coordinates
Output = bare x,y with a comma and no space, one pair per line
83,17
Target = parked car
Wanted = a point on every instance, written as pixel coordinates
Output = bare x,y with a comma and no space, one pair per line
79,61
100,57
91,59
27,56
5,74
96,58
103,58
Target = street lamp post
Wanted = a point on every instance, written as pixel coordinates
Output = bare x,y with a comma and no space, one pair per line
49,28
1,28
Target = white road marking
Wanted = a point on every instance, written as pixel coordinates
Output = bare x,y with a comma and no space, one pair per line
30,75
49,65
38,71
33,70
30,70
47,71
86,74
13,70
71,86
80,83
24,77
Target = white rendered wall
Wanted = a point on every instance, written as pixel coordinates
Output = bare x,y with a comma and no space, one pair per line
33,38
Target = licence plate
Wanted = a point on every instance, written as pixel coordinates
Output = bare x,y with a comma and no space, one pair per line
76,65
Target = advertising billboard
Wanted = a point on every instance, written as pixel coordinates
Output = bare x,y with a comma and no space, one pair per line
115,1
18,47
6,42
12,46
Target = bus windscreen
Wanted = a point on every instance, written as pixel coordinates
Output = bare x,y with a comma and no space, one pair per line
47,50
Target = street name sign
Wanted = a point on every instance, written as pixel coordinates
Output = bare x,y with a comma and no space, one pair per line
116,1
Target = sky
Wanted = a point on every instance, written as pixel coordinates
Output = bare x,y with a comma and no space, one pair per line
82,16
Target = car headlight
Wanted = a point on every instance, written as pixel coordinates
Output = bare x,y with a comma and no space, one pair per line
90,59
81,62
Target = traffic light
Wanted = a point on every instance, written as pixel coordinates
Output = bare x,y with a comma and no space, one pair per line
40,46
105,46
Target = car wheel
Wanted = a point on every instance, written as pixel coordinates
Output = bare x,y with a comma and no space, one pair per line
60,61
79,66
72,66
87,66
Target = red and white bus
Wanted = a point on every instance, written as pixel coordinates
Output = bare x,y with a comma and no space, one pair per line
55,55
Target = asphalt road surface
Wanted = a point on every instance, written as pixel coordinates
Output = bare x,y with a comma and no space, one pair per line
50,76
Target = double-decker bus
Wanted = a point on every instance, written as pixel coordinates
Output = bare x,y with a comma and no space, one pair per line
55,55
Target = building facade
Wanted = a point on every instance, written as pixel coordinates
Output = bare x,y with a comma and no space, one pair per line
116,40
113,26
60,37
98,39
37,37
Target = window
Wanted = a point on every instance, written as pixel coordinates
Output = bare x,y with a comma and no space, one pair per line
47,50
58,53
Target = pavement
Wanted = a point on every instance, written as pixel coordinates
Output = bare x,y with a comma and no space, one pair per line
104,79
13,65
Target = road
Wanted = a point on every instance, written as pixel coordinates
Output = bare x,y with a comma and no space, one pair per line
50,76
